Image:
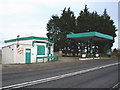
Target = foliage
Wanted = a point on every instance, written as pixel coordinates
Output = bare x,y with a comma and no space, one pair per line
59,26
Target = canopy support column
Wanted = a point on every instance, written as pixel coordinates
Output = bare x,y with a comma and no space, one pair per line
91,51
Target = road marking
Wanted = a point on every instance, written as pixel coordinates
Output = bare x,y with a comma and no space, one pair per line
116,85
56,77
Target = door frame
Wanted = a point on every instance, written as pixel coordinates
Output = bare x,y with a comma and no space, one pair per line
26,51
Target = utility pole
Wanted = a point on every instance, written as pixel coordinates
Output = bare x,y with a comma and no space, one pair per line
18,40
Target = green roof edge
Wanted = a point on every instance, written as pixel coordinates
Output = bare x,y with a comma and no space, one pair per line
89,34
27,38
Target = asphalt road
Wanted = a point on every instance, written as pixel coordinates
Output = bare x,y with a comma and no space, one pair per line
102,78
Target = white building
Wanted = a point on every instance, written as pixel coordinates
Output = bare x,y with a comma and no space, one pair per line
27,50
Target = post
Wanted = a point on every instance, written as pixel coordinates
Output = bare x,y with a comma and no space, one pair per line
87,48
43,60
18,40
91,51
36,60
81,52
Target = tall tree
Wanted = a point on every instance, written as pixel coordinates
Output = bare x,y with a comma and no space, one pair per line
59,26
107,27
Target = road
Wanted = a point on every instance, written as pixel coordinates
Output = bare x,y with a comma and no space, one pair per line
106,77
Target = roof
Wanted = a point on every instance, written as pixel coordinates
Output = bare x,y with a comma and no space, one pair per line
27,38
90,35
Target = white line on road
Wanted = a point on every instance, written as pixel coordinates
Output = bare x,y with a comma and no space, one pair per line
116,85
56,77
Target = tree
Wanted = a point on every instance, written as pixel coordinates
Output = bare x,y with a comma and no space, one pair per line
88,22
107,27
83,21
54,30
59,26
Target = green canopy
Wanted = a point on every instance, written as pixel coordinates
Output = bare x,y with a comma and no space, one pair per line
90,36
93,35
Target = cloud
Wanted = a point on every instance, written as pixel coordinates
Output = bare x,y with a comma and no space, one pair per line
16,8
25,28
29,17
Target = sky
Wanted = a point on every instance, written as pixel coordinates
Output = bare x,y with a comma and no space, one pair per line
29,17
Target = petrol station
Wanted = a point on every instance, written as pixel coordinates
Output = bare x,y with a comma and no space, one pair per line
91,38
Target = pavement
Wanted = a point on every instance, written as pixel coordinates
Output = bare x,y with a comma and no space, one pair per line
13,68
63,61
94,79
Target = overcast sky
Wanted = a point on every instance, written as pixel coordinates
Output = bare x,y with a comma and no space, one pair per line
29,17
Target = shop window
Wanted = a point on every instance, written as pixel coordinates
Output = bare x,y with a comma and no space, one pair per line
40,50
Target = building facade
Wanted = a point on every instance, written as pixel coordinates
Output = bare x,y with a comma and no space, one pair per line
27,50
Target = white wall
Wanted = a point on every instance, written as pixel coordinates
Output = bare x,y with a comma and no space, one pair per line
52,49
19,58
8,55
12,56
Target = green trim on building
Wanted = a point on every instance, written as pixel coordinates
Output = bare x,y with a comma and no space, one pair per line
37,42
48,57
27,38
47,43
40,50
90,34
